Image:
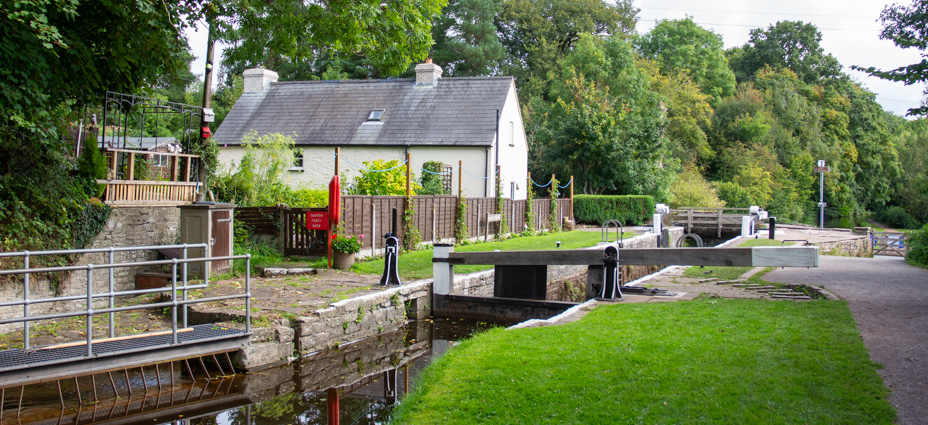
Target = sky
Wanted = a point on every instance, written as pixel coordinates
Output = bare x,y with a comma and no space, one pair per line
850,31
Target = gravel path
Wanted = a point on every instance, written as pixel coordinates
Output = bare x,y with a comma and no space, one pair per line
889,301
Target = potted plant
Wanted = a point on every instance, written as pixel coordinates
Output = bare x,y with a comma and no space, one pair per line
344,249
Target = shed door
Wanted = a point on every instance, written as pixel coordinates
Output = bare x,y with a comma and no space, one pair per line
222,237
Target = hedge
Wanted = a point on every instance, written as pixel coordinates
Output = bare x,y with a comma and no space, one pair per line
627,209
917,249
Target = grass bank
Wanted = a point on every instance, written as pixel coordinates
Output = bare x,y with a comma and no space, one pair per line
702,361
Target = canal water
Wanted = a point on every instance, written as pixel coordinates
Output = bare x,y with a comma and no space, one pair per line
361,381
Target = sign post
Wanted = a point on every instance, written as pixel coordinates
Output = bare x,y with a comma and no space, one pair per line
821,169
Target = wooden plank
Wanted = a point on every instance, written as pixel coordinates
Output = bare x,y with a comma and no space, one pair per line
803,256
120,338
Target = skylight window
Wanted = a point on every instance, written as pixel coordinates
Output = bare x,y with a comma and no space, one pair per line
376,115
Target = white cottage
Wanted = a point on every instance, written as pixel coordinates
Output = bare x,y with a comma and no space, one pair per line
475,120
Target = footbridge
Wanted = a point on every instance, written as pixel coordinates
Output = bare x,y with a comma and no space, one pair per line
99,306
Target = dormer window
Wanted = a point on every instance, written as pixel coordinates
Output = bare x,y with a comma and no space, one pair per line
376,115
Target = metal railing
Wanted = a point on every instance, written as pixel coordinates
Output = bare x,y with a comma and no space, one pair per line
89,312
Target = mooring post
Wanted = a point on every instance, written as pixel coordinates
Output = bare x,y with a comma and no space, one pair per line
442,269
391,261
610,274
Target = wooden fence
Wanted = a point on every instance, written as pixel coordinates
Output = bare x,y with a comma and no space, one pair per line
371,216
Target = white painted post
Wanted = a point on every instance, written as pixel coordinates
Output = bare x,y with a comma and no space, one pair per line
442,271
747,228
656,227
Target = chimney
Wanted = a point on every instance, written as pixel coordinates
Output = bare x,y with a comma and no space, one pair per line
427,74
257,79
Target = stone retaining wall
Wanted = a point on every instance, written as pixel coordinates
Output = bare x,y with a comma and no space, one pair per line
131,226
363,317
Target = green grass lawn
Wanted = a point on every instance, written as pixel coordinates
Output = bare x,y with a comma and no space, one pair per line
730,273
418,264
702,361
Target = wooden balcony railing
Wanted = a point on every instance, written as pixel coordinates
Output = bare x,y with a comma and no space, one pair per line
172,186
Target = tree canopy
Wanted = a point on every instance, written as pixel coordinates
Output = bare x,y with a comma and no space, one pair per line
681,45
907,27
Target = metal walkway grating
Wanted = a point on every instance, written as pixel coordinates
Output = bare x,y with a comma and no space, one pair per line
20,359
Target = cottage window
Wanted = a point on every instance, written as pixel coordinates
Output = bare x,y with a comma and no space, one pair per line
297,160
512,133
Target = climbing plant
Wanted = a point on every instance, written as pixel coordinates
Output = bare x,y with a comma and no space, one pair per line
553,223
503,227
529,208
411,237
460,221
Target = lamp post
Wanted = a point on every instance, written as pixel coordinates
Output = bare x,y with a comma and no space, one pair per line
821,169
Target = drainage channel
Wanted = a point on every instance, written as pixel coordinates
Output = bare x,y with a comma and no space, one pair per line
351,384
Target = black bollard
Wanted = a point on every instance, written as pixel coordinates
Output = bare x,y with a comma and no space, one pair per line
391,260
773,227
611,274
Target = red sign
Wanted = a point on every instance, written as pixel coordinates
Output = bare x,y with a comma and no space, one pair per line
317,220
821,169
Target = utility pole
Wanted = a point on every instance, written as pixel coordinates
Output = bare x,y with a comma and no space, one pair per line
208,116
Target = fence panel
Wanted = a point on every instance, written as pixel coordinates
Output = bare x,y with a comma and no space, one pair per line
260,220
297,239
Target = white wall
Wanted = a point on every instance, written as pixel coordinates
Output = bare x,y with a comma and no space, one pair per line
513,149
319,164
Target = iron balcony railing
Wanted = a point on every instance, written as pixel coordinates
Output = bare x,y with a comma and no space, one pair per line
179,283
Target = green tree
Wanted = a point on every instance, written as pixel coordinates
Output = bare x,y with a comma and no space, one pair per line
604,126
786,44
274,33
466,40
905,26
57,56
911,187
687,114
683,46
690,189
258,180
538,33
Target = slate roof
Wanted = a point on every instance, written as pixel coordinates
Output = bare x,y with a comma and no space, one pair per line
458,112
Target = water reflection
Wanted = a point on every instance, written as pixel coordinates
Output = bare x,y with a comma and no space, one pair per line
360,381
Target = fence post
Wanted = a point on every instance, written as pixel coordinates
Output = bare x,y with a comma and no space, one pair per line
572,200
338,157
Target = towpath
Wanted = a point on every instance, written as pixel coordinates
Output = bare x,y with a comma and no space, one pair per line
889,301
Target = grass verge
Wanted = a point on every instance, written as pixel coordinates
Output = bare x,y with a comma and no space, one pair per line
702,361
418,264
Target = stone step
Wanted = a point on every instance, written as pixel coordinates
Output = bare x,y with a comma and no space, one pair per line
759,287
724,282
793,297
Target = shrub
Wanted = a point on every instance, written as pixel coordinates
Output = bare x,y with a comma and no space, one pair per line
348,245
692,190
734,195
305,197
383,178
628,209
92,165
917,250
896,217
